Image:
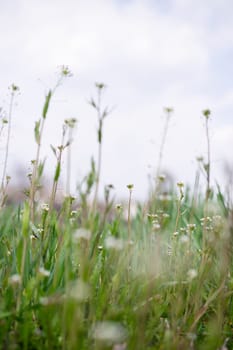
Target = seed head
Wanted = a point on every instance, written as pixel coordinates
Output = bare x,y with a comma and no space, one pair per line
45,207
161,177
180,184
71,122
100,86
168,109
118,207
65,71
14,88
206,113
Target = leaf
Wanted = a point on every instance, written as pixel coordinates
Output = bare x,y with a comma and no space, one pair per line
46,104
25,220
54,150
37,132
57,172
41,168
92,103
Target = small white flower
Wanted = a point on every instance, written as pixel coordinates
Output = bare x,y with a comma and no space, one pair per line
156,225
192,273
109,331
162,177
45,206
82,233
114,243
44,301
175,233
191,227
43,272
184,239
118,206
15,279
79,291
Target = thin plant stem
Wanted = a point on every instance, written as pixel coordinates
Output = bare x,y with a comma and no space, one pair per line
168,112
68,175
99,156
206,114
64,72
130,187
34,172
208,158
180,186
57,171
13,90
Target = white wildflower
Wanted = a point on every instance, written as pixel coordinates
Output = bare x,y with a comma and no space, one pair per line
45,206
82,233
43,272
114,243
191,227
118,207
156,225
44,301
79,291
109,331
15,279
192,273
184,239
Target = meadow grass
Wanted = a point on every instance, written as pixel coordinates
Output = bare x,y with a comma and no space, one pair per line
91,276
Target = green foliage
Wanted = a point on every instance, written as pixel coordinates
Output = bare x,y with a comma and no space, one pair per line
156,277
46,104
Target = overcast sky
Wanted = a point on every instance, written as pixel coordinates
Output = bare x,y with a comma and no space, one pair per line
150,54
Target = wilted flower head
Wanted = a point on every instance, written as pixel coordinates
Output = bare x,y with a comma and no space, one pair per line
168,109
65,71
180,184
71,122
161,177
100,86
206,113
14,88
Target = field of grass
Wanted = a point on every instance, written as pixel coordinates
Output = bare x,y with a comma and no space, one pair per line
92,276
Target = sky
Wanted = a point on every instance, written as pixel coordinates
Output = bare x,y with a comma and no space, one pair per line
151,54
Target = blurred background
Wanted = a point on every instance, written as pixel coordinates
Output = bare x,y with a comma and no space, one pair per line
151,54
